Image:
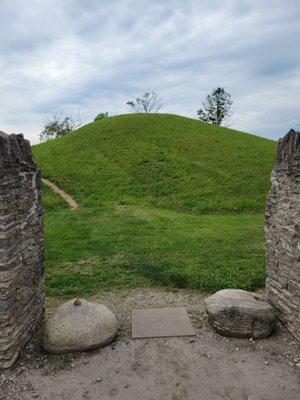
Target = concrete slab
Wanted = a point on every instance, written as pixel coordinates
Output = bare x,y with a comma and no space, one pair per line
161,322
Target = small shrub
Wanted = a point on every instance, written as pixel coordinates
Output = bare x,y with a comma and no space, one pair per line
101,116
57,125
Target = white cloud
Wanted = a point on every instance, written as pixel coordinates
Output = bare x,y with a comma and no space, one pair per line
63,56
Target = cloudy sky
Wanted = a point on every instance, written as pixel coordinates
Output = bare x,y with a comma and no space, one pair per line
60,56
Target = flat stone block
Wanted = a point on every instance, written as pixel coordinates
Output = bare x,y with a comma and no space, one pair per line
238,313
161,322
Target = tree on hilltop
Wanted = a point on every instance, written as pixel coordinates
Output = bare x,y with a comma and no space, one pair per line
101,116
216,107
149,102
58,125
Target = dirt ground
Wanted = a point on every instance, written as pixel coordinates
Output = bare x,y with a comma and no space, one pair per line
207,367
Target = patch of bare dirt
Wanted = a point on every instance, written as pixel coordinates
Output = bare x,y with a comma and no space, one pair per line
207,367
68,198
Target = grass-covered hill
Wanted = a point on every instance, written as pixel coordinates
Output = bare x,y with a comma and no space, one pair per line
161,160
167,201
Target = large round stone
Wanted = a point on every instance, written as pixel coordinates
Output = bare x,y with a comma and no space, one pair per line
239,313
79,325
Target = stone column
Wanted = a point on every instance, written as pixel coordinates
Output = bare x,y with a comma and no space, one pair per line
21,247
282,229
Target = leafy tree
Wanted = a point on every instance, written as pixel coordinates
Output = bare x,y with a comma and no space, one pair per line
216,107
57,125
149,102
101,116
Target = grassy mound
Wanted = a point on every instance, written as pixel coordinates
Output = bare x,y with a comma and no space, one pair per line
168,201
160,160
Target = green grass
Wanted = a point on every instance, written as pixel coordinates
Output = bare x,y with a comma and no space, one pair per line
159,160
92,250
168,201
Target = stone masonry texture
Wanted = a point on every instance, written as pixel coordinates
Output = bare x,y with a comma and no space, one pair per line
282,230
21,248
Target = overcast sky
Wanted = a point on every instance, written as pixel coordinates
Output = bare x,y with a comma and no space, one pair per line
59,56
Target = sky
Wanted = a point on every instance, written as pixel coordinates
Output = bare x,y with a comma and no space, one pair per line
87,57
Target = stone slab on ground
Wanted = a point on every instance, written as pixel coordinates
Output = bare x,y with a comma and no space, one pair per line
205,367
161,322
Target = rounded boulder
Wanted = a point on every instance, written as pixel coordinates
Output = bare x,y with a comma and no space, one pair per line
79,325
238,313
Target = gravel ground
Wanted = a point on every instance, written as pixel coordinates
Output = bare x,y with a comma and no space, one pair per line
207,367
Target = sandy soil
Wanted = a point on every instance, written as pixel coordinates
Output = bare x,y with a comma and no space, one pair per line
207,367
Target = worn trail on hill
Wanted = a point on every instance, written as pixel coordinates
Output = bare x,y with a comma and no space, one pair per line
69,199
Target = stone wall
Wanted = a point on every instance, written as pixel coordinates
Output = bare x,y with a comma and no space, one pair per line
21,247
282,229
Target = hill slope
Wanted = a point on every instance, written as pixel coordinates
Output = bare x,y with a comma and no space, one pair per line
145,182
162,160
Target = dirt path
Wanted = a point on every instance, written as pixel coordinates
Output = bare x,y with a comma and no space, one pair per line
69,199
208,367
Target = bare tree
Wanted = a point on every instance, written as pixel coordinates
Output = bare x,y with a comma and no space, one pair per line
216,107
58,125
149,102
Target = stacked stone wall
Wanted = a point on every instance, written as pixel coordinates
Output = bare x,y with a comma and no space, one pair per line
282,231
21,247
